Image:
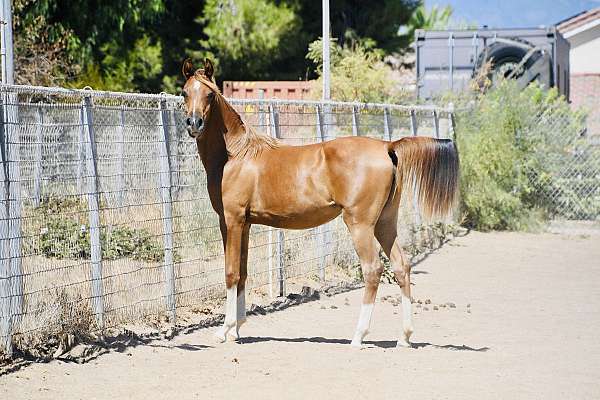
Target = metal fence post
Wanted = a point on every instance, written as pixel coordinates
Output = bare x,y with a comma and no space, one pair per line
451,121
386,125
37,174
319,125
436,123
174,154
322,230
275,132
11,121
167,208
5,272
262,122
121,157
280,257
414,131
81,148
451,61
354,121
91,160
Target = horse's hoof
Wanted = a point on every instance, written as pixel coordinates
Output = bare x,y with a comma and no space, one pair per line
219,336
356,344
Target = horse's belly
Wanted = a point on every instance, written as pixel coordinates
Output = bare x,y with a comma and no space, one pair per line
295,217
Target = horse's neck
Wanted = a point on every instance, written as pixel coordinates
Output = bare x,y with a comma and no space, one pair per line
234,127
226,126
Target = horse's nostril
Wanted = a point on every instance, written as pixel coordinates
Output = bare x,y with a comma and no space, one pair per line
188,121
198,123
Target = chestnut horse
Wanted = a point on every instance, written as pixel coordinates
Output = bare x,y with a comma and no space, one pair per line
255,179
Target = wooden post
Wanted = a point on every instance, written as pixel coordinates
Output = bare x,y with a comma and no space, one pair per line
94,211
121,157
280,250
37,173
386,125
167,209
354,121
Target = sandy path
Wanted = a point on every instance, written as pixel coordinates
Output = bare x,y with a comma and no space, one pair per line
532,333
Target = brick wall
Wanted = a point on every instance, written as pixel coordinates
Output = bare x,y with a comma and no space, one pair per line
585,92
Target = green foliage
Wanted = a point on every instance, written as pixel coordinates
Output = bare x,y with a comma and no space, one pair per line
358,73
514,146
435,18
65,235
139,45
126,72
248,35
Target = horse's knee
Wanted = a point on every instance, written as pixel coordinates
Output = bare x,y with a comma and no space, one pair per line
372,274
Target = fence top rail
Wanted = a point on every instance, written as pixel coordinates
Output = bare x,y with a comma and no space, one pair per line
42,90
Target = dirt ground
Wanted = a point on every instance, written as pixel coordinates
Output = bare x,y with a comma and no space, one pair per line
525,326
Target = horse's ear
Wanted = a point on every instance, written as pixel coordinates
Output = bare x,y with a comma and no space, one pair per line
188,69
209,68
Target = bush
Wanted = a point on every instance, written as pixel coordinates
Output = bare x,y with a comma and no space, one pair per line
515,145
358,73
65,234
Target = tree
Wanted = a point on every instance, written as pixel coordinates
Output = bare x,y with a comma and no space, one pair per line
246,37
85,37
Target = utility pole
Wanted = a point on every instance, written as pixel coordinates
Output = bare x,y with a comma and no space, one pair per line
6,39
326,62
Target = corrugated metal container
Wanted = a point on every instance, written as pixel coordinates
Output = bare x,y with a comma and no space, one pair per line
446,60
288,90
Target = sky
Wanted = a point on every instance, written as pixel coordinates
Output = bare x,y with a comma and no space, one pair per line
514,13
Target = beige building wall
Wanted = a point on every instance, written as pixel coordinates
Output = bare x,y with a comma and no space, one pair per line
585,49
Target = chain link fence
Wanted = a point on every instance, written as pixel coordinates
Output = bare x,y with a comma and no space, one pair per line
105,216
565,164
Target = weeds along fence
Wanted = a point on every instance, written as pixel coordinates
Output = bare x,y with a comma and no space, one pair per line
105,217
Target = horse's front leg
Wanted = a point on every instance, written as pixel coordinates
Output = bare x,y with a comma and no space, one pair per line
241,287
233,247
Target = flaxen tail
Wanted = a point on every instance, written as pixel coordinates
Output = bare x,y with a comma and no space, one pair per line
430,167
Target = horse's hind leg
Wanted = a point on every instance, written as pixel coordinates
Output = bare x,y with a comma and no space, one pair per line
366,248
386,233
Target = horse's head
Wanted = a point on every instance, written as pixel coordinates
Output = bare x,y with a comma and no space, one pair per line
199,93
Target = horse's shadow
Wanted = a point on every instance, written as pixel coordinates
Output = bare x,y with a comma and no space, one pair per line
384,344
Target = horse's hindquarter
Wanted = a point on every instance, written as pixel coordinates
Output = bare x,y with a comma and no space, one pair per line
300,187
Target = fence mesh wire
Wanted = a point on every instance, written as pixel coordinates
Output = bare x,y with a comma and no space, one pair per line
105,216
564,166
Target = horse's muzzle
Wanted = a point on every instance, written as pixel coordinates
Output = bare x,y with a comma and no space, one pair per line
194,126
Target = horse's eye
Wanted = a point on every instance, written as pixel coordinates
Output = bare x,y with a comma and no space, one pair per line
210,95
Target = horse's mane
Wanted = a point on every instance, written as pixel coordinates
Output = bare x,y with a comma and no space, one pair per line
249,143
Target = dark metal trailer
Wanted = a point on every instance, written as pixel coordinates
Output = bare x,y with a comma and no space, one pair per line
448,60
